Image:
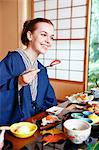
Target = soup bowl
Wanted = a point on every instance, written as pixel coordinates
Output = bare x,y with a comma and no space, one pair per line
77,130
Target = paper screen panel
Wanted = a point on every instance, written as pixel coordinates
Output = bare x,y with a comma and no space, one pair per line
76,65
64,13
79,11
39,6
64,24
62,3
38,14
51,14
79,2
76,76
62,74
51,4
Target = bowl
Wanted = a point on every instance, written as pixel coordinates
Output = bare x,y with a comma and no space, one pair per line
77,115
77,130
23,129
88,120
87,113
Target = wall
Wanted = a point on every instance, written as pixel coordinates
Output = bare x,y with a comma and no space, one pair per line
0,29
8,26
66,88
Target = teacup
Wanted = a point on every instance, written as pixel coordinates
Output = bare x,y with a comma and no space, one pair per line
77,130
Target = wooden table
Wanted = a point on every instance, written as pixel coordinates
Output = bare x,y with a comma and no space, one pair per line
19,143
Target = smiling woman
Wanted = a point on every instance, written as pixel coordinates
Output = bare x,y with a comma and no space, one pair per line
23,87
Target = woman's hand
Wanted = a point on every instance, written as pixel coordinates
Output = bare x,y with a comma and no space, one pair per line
27,77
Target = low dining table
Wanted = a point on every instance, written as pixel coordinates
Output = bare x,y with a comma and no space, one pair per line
20,143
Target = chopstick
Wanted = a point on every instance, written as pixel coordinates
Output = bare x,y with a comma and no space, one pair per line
5,128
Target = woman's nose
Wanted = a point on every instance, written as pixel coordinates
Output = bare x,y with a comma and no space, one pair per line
48,39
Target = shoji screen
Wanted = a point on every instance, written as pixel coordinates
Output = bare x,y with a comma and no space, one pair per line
69,19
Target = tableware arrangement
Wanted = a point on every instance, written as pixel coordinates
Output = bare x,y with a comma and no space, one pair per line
77,130
80,98
88,116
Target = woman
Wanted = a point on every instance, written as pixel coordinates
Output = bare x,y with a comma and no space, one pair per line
24,85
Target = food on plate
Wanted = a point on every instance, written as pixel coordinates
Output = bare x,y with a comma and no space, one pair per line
49,119
81,96
94,118
51,131
93,107
23,129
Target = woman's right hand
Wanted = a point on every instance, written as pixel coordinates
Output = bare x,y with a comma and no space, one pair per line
27,77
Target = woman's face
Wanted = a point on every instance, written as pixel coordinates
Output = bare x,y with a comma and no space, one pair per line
42,38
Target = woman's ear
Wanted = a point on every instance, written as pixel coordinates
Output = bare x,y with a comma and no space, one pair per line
29,36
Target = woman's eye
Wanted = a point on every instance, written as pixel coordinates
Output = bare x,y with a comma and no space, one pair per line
43,34
52,38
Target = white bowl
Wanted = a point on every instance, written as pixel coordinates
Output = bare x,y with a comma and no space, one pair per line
77,130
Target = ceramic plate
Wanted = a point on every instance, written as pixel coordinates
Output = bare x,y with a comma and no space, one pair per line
73,99
54,110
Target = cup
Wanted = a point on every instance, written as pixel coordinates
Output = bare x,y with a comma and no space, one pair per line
95,92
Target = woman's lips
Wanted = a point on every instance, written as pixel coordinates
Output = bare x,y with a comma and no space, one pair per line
45,46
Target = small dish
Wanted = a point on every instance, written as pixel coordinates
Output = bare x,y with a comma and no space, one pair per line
87,113
23,129
77,98
55,110
94,118
77,115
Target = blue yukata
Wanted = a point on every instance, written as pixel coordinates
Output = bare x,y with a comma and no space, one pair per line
17,105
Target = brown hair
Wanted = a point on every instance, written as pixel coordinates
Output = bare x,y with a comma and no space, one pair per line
30,25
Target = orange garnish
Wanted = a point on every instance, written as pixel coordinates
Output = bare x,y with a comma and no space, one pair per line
54,138
50,117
